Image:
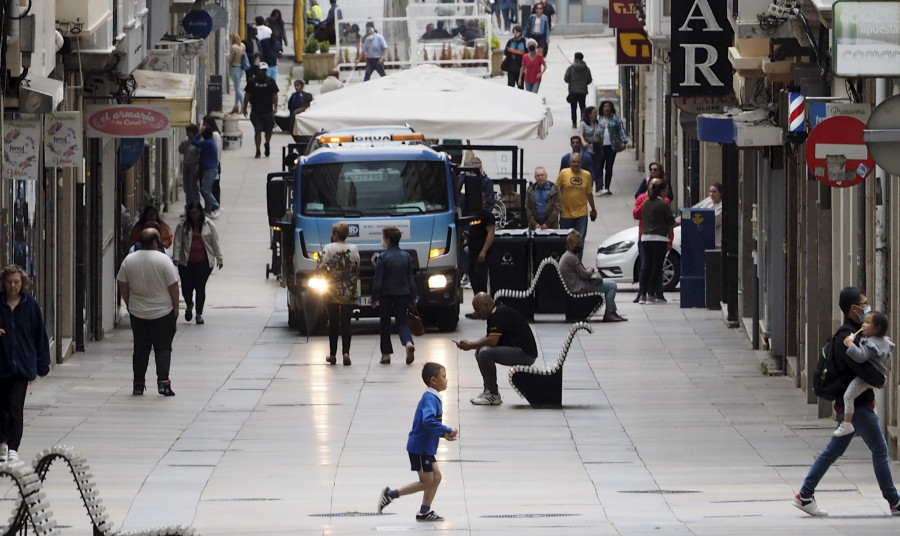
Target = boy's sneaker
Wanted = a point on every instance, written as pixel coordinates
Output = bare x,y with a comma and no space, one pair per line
846,428
810,507
487,399
429,516
385,499
12,457
895,510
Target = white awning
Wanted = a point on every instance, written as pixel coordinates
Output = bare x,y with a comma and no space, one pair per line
173,89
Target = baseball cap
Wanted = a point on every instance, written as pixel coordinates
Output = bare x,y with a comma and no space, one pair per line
263,65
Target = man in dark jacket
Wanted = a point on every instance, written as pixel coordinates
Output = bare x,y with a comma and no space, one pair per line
578,76
855,306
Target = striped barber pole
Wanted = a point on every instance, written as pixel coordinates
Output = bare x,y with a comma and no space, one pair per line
796,113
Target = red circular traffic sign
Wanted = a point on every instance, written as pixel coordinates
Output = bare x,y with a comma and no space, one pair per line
839,136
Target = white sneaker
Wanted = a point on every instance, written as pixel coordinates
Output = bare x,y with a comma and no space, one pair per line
605,192
487,399
845,428
12,457
808,505
598,193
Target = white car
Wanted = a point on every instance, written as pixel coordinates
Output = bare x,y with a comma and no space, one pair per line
618,259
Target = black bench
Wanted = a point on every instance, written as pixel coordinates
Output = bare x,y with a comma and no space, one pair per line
579,307
542,387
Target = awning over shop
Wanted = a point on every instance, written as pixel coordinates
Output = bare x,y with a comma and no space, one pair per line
172,89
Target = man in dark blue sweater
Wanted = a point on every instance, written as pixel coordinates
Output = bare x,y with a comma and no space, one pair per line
209,170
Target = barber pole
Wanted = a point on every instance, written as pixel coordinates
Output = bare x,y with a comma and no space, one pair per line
796,113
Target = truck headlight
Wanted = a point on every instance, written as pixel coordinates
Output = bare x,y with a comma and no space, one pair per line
437,282
319,284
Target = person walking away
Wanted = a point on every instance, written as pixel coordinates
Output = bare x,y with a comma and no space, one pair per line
514,52
339,263
613,135
261,94
427,430
591,136
481,238
26,355
543,202
190,166
197,251
509,341
854,306
578,77
533,67
574,184
151,214
874,347
657,222
210,122
393,290
587,161
148,283
372,52
235,61
263,31
508,10
714,201
580,279
209,169
636,214
270,51
537,27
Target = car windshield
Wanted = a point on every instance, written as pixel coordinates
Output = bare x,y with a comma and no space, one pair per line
383,188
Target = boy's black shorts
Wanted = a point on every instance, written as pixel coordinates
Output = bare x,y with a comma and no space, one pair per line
421,462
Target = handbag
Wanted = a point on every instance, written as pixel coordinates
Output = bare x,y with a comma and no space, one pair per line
570,98
245,61
505,64
617,144
414,321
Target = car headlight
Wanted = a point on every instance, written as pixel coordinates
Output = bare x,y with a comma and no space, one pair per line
618,247
319,284
437,282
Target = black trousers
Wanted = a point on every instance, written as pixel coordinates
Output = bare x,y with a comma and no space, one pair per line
156,335
578,101
339,324
512,79
652,267
12,410
193,279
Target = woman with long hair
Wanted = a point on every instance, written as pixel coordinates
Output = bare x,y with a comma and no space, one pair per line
150,213
613,140
276,22
235,57
196,252
657,222
25,349
339,262
591,140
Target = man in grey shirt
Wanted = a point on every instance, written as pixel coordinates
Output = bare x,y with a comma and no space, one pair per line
373,49
580,279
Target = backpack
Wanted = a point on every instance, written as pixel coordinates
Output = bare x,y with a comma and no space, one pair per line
245,62
828,382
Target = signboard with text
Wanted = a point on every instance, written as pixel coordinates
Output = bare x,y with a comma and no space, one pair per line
63,145
127,121
623,15
701,35
633,47
21,148
866,38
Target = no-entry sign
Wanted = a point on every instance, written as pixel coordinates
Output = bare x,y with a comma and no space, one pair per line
838,142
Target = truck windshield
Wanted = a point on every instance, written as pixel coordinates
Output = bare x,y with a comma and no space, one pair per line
383,188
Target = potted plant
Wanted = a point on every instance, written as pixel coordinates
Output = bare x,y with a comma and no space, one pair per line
317,60
497,54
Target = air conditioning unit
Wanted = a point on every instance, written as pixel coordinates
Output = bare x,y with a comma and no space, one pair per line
659,22
40,95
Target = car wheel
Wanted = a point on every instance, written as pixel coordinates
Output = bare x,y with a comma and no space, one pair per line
671,271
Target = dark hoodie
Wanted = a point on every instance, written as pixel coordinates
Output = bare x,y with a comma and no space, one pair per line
578,76
24,348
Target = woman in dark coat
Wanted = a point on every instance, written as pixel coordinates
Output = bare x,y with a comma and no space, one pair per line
392,292
24,355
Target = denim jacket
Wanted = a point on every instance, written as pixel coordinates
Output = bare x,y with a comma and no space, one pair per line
394,274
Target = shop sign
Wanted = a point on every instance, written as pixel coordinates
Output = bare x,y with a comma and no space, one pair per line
623,15
198,23
866,38
633,48
130,150
701,35
820,111
704,105
21,148
127,121
63,143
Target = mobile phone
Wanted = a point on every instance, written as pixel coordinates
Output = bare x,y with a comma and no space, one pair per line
454,341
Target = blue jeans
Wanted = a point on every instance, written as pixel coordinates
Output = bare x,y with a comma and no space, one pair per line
533,87
236,74
865,421
579,224
608,288
272,72
206,183
395,306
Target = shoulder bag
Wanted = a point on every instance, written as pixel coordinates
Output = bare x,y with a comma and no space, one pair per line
414,321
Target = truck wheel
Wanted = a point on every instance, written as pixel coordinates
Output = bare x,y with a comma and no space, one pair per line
448,318
293,323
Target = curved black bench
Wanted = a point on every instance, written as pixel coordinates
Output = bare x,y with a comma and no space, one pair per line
32,507
579,307
542,387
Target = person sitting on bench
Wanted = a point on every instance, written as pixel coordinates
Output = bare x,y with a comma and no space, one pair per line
580,279
509,341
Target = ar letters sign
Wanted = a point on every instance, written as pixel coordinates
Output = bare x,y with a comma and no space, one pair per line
701,35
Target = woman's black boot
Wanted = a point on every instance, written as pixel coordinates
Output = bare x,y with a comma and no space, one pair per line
165,388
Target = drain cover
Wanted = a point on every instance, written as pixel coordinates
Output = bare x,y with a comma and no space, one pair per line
526,516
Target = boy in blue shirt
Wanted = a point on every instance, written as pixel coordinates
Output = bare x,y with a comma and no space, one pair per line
427,430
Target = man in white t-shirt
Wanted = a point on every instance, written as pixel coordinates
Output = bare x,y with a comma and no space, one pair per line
262,31
148,283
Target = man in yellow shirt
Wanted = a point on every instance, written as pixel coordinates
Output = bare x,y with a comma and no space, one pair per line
574,183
